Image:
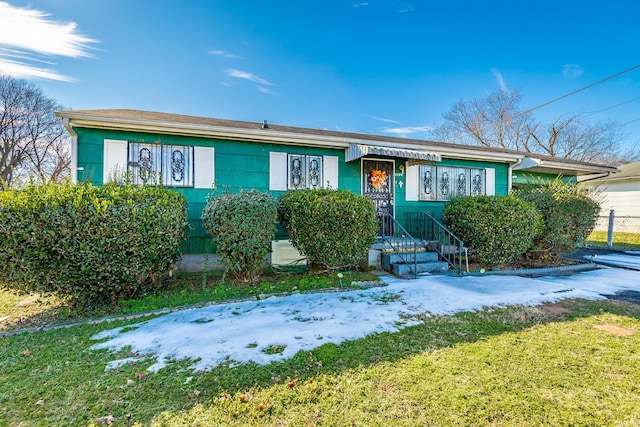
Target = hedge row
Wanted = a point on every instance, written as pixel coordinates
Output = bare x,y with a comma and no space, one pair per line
96,244
496,229
105,243
569,214
548,219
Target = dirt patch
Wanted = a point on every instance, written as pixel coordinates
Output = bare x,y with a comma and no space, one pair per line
556,309
627,296
623,332
28,301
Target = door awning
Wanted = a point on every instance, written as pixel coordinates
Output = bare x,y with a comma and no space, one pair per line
356,151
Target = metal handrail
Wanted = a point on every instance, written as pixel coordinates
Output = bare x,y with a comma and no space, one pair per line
390,228
439,238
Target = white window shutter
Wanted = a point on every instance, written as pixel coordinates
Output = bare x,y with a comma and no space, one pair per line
330,166
115,160
204,167
490,181
411,186
277,171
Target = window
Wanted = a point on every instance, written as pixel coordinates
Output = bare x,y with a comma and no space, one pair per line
304,171
442,183
171,165
288,171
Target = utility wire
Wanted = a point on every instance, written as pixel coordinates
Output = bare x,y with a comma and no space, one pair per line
631,121
522,113
612,107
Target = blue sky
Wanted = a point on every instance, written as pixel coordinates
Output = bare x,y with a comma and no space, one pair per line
383,67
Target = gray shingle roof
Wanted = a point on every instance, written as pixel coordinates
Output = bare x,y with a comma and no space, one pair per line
113,115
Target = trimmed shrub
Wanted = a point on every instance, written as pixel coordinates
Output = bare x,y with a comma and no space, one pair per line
96,244
496,229
333,228
243,226
568,213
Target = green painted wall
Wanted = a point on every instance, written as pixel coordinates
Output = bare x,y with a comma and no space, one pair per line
245,165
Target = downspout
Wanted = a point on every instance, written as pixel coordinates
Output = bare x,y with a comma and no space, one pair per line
510,173
74,150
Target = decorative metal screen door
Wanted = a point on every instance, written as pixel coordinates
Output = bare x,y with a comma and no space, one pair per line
377,185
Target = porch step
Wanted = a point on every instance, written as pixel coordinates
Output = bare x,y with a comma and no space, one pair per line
389,259
401,244
403,265
406,270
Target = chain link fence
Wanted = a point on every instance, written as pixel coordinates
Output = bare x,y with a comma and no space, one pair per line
616,231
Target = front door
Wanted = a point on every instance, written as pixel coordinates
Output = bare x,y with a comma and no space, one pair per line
377,186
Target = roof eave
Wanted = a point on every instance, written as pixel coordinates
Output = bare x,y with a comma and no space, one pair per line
84,120
556,166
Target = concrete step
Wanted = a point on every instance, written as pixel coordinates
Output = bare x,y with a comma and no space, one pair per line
400,243
406,270
387,259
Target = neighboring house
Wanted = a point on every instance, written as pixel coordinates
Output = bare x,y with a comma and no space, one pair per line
619,191
202,156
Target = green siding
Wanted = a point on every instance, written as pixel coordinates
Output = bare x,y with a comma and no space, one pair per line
245,165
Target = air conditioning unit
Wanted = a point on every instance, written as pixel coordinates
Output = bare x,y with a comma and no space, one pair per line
283,253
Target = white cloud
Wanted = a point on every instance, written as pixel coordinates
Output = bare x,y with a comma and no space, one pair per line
498,75
248,76
266,90
406,130
225,54
27,33
572,71
403,7
23,71
360,4
382,119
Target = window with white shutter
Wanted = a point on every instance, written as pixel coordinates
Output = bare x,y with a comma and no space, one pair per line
155,164
288,171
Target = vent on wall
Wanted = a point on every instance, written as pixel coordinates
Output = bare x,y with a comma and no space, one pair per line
283,253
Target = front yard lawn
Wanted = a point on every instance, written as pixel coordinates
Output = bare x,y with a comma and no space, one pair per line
501,366
32,311
620,239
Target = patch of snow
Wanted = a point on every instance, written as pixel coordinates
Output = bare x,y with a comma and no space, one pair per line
239,332
115,364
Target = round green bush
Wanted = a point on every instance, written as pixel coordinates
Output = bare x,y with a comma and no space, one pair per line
96,244
333,228
496,229
243,226
568,213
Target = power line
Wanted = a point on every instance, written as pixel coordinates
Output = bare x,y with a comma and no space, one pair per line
576,91
612,107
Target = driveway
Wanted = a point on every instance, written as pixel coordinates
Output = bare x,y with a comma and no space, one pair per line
241,332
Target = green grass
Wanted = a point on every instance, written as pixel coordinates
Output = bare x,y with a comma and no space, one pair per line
506,366
621,240
26,311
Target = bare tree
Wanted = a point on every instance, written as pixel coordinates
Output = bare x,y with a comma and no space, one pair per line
498,121
33,142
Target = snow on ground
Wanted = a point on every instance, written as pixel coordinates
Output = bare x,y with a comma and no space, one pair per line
627,261
239,332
